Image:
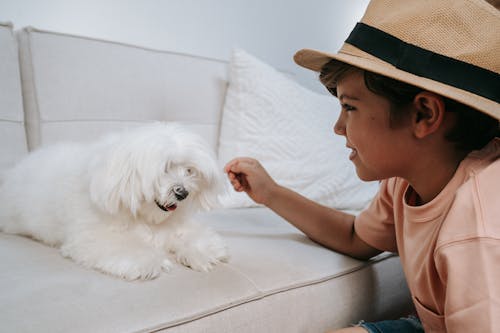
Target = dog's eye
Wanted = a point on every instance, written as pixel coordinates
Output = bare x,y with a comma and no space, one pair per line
189,171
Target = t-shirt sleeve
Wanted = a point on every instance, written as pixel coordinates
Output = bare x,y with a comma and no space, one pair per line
375,225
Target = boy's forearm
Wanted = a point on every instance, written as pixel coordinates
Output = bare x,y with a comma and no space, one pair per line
329,227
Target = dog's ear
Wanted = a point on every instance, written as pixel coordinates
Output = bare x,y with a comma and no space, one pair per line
213,184
115,181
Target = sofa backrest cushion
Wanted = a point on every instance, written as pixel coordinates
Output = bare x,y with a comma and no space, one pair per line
12,134
77,88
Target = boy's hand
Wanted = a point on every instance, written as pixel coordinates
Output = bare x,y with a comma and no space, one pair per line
248,175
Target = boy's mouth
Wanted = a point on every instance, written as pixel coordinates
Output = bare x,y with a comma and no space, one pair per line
353,154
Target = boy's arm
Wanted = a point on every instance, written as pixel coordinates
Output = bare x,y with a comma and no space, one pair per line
329,227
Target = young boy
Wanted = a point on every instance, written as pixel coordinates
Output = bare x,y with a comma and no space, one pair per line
419,86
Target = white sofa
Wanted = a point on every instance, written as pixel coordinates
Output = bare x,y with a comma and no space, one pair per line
64,87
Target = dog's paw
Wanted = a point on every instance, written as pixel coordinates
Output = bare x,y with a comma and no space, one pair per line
144,267
203,255
129,264
166,265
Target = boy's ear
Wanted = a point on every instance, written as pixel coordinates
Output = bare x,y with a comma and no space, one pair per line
429,110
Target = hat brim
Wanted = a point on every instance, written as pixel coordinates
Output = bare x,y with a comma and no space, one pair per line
315,60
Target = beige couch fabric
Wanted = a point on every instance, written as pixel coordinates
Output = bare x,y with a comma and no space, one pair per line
277,279
77,88
11,106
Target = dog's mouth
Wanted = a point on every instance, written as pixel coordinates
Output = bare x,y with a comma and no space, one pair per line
167,207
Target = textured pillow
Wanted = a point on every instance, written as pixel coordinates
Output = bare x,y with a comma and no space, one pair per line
289,129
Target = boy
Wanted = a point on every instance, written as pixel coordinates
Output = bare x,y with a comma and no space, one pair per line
419,86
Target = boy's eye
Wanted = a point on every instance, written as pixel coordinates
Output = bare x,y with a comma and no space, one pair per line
347,107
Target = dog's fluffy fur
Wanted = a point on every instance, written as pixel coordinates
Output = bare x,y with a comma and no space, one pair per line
122,205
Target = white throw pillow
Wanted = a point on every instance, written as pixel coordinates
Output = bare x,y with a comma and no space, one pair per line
289,129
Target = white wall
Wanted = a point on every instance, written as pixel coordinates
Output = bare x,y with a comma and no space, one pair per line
270,29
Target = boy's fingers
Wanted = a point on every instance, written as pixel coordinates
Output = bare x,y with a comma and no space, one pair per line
239,165
238,181
228,166
232,177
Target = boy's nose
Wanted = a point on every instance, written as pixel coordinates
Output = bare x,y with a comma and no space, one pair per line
339,127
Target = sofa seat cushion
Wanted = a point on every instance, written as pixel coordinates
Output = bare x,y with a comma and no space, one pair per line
274,272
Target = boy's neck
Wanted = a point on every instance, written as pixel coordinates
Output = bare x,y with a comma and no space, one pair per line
432,173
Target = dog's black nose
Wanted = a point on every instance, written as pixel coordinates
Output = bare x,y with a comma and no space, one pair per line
180,193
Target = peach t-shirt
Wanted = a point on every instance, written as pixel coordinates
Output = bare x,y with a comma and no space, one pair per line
449,247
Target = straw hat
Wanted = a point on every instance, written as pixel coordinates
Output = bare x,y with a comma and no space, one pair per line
451,47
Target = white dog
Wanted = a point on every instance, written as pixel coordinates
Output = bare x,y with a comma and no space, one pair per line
122,205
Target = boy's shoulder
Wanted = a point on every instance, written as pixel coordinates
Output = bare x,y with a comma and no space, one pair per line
474,212
485,185
481,187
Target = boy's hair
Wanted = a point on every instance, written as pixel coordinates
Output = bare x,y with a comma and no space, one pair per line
473,129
